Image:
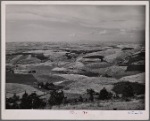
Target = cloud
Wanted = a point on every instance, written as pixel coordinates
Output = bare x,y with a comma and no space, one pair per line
102,32
64,22
73,35
84,14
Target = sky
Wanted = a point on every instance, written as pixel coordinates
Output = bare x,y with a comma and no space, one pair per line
70,23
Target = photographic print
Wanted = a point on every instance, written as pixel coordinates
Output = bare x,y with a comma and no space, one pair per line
77,59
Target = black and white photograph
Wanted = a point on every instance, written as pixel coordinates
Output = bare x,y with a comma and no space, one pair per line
75,58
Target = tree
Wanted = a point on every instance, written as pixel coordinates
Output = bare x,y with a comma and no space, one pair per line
8,105
104,94
49,86
31,101
40,85
35,101
90,92
110,95
80,99
25,102
12,102
15,98
65,100
15,105
128,91
56,97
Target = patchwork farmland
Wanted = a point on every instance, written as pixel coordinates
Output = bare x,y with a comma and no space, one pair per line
79,73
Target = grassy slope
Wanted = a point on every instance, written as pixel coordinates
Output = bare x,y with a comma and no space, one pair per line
19,89
106,105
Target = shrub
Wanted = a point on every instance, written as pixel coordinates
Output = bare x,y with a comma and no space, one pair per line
91,92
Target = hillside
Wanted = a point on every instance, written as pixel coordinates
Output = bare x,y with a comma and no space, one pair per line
19,89
74,69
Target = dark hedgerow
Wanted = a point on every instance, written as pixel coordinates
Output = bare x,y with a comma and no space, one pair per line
129,89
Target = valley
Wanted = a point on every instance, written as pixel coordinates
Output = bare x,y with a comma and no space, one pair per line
72,68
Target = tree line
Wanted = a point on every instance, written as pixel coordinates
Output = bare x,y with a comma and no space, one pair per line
57,97
27,101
